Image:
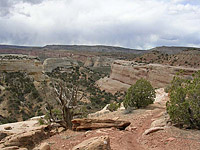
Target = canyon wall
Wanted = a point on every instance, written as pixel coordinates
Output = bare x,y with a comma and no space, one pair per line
126,73
52,63
13,63
98,62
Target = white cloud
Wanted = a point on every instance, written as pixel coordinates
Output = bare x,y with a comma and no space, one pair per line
135,24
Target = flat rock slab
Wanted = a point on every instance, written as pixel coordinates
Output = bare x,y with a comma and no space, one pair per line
153,129
92,124
95,143
27,139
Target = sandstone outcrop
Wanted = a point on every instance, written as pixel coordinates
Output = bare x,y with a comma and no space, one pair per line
29,64
4,134
99,113
91,124
95,143
52,63
26,139
126,73
98,62
44,146
111,85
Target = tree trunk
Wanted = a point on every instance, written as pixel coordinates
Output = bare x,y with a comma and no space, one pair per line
68,116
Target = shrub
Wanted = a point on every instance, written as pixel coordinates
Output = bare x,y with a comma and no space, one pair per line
140,94
184,105
41,121
113,106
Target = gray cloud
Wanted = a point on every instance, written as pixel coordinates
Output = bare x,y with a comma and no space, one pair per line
135,24
6,6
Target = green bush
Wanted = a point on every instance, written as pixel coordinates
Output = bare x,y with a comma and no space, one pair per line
41,121
184,105
140,94
113,106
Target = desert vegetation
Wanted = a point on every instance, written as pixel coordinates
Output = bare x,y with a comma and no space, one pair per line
21,96
184,105
70,88
187,58
141,94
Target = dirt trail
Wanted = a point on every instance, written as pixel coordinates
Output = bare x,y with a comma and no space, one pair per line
132,138
120,140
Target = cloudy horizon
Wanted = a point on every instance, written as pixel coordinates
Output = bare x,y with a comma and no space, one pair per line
140,24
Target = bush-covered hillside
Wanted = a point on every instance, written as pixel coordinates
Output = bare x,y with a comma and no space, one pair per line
19,98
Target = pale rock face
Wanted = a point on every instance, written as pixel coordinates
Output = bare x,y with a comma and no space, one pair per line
161,95
52,63
98,62
13,63
126,73
26,139
99,113
44,146
111,85
89,62
95,143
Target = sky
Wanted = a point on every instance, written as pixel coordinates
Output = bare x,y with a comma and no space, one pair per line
140,24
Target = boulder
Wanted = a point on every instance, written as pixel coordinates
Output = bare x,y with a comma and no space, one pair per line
27,139
154,129
159,123
95,143
44,146
91,124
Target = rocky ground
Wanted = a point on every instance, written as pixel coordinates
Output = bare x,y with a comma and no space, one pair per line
149,130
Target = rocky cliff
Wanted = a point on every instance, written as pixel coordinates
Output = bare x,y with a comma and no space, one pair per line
13,63
98,62
52,63
88,61
126,73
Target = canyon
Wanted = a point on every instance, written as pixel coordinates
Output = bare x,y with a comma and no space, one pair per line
150,127
125,73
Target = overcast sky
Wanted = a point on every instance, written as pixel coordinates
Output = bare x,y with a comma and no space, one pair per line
138,24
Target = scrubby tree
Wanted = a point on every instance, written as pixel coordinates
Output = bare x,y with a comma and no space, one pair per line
140,94
67,94
184,105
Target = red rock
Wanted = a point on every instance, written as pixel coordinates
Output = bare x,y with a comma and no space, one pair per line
95,143
91,124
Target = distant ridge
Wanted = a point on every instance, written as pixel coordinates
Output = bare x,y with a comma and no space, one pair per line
100,48
173,49
17,47
93,48
89,48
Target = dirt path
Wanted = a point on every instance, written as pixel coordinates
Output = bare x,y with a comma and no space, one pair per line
132,138
128,139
